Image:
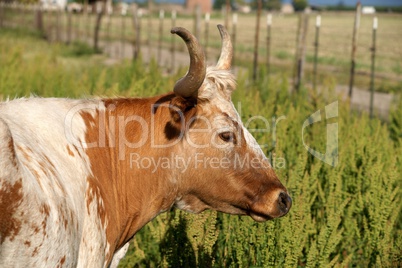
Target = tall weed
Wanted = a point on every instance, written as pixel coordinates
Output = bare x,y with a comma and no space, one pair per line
347,215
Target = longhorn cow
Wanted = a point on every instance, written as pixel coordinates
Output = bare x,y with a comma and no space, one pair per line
78,178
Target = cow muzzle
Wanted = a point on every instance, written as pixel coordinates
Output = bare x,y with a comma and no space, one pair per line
270,206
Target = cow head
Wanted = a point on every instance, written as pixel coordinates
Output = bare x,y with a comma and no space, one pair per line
229,172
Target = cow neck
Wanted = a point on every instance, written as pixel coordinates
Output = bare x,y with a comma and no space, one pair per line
132,193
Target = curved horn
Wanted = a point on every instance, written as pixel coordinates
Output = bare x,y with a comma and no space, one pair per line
225,60
188,85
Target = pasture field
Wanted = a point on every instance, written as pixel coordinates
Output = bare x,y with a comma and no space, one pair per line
335,43
348,215
334,50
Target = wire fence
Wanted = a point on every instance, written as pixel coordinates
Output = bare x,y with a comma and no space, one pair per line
309,47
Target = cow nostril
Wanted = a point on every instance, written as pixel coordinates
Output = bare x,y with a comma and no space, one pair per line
284,202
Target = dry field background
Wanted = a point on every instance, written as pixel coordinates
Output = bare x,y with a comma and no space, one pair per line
335,41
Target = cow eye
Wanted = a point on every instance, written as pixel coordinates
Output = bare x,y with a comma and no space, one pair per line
227,136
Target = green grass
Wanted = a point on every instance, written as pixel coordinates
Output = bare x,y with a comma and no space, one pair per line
283,55
78,49
348,215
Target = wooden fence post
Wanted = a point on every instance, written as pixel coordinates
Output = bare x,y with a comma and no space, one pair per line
234,35
69,22
256,40
316,44
137,26
91,13
25,16
197,22
109,22
87,20
173,43
227,12
354,48
21,15
269,24
161,18
58,13
77,29
1,14
297,51
99,10
49,25
303,49
52,26
373,50
123,30
39,20
149,27
206,34
300,51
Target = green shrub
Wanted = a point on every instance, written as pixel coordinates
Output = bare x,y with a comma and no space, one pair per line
347,215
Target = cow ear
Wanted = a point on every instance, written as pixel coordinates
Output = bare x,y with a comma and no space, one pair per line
181,111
